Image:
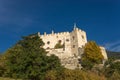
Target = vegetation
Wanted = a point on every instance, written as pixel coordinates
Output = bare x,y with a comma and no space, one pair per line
27,59
76,74
112,69
92,55
59,45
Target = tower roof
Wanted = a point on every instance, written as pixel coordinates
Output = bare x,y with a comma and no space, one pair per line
75,26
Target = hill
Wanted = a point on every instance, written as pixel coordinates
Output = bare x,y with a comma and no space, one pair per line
113,54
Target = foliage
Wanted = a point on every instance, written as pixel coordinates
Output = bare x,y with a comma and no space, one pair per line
28,60
112,69
2,64
59,45
87,64
2,78
115,76
92,55
51,75
77,74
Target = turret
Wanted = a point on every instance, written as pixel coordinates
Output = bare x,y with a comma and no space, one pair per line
75,26
44,33
38,33
52,32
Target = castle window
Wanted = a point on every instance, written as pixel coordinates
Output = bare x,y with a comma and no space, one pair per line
59,41
73,37
82,46
48,42
67,40
82,37
73,46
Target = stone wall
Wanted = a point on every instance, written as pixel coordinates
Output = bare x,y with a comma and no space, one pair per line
71,40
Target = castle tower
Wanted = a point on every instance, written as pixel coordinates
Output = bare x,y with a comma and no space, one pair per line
79,39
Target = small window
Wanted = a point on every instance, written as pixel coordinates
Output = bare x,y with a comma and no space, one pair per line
82,46
82,37
73,37
59,41
67,40
73,46
48,42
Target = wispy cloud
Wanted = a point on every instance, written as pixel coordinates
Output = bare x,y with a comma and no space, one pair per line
113,46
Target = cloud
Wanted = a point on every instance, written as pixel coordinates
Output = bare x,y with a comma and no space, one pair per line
113,46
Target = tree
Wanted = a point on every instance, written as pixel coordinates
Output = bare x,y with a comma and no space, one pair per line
59,45
27,59
92,55
112,69
2,64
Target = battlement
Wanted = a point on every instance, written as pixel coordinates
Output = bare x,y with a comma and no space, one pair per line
61,33
54,34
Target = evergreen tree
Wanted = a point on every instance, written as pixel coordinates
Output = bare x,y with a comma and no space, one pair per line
28,60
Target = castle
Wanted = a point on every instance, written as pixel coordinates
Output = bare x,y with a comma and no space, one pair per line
68,46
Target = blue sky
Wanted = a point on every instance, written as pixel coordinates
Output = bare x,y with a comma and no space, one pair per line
99,18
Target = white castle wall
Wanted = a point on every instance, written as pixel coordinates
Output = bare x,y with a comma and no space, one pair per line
54,38
72,40
104,52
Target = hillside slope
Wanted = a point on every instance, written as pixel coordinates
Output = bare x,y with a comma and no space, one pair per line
113,54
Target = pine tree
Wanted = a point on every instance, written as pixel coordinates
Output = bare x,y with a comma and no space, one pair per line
28,60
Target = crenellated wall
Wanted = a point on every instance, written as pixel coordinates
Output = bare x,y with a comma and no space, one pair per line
51,40
71,40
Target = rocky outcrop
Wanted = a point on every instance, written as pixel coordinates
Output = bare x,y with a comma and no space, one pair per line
71,63
68,61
